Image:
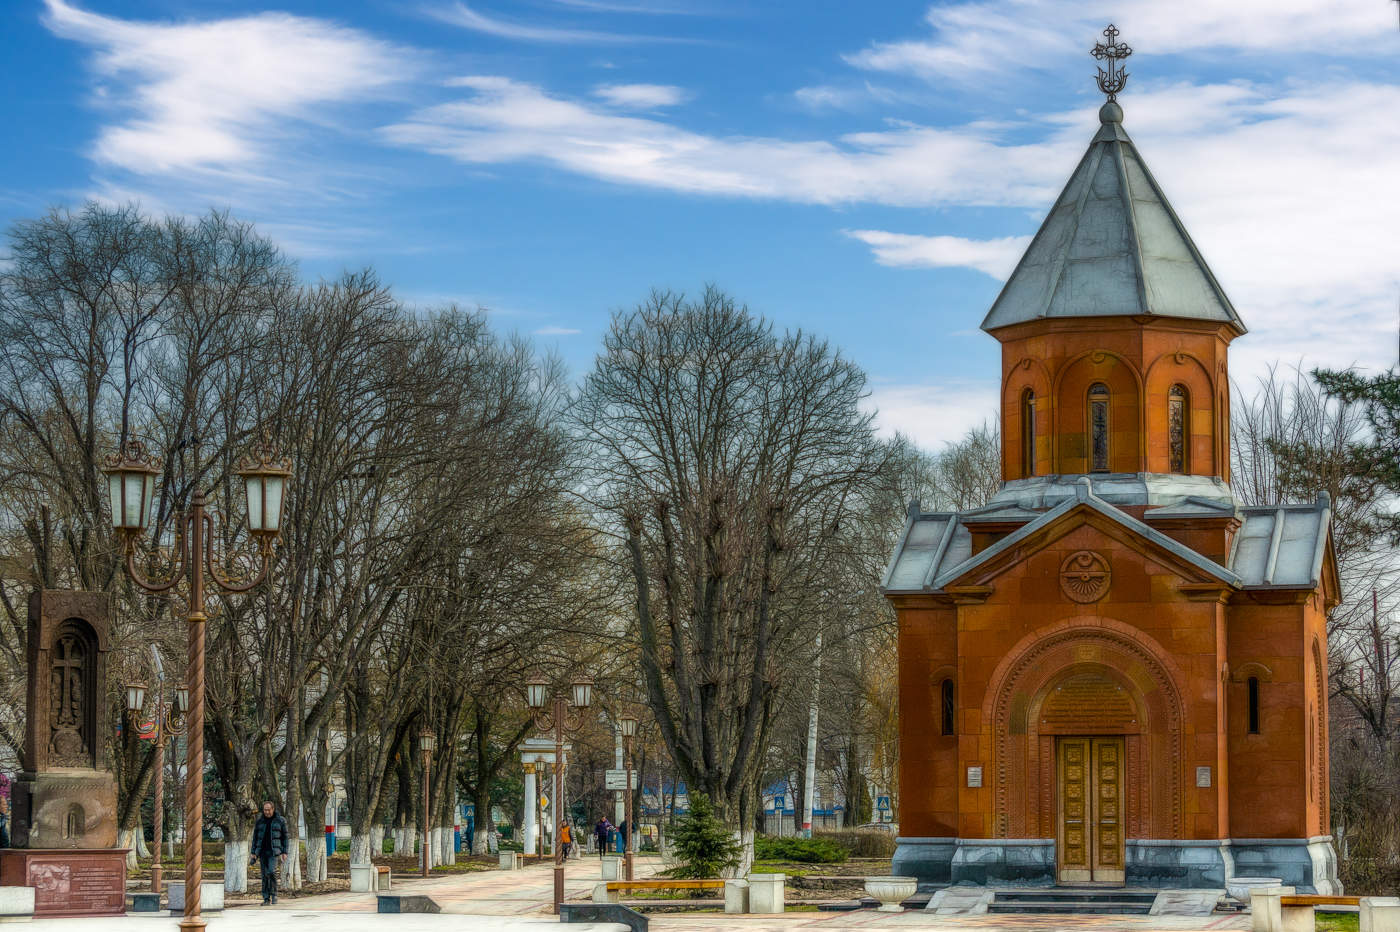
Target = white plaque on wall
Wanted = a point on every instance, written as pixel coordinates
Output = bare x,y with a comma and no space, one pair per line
974,776
1203,776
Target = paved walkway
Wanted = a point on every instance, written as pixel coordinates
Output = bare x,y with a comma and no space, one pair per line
527,892
519,901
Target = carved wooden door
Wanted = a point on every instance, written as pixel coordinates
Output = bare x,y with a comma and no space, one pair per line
1089,832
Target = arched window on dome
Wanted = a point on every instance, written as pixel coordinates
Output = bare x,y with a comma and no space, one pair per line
1098,427
1178,430
1028,433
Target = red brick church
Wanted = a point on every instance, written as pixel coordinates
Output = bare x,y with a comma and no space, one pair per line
1114,672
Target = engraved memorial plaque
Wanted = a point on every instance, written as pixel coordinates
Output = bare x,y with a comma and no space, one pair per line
1203,776
974,776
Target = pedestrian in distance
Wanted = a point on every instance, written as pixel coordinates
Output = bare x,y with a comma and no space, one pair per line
566,839
622,837
269,848
600,831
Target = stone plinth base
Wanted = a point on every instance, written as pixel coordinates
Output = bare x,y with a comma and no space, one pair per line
68,881
211,896
65,809
1309,864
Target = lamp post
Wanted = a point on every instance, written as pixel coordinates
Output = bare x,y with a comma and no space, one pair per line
427,743
536,693
131,476
166,721
628,726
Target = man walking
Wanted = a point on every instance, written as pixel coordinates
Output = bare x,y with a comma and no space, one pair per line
600,832
269,848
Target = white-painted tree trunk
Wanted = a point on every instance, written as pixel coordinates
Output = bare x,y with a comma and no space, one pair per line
809,782
745,839
236,854
125,840
290,872
360,849
316,862
376,841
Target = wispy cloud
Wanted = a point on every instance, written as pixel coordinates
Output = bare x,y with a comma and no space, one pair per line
995,257
1293,214
982,41
556,332
510,121
459,14
221,95
642,96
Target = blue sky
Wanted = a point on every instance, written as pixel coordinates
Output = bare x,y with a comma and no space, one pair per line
868,171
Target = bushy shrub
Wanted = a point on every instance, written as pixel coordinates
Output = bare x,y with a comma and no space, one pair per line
802,850
703,846
860,843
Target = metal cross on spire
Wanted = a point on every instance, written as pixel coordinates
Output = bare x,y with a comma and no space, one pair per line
1112,80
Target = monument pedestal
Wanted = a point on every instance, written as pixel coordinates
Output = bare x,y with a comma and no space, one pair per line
68,881
65,809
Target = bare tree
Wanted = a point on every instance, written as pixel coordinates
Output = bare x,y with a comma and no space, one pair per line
729,456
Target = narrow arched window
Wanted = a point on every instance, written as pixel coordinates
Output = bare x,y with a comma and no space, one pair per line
1028,433
950,711
1254,705
1177,429
1098,427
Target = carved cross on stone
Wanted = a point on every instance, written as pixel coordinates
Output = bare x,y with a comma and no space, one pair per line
68,743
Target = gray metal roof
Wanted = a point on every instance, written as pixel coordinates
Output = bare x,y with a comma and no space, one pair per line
1281,547
1111,245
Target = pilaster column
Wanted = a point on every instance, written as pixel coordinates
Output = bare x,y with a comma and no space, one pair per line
531,801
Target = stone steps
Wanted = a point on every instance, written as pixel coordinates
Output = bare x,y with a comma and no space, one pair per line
1073,901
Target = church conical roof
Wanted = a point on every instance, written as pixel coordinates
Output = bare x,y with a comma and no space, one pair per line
1111,246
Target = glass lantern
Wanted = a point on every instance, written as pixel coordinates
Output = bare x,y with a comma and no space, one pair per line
131,482
265,474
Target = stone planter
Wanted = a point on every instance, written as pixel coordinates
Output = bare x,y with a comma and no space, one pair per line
891,891
1239,887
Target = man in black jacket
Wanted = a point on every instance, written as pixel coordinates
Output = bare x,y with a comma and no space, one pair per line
269,848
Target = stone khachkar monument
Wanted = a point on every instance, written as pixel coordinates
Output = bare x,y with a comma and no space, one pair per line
65,801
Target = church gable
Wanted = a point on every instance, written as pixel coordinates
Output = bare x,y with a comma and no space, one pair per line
1077,548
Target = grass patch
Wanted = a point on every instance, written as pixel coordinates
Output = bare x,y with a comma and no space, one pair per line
1338,922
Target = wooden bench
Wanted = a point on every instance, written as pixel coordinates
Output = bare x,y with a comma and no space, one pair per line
622,886
608,891
1297,912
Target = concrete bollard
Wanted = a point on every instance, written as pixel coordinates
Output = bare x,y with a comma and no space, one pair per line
1265,906
16,904
736,896
601,893
211,896
1380,914
507,862
612,867
766,893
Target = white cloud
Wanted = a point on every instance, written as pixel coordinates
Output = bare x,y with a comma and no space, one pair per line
1289,193
642,96
459,14
221,95
556,332
995,257
510,121
980,42
935,414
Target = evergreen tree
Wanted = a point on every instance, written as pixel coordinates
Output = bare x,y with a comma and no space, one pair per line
1378,460
703,845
